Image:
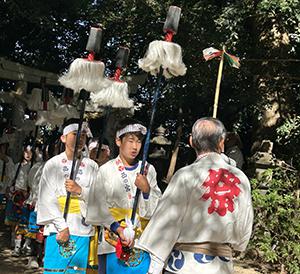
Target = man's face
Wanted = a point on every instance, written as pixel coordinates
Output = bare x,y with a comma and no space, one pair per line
70,139
129,146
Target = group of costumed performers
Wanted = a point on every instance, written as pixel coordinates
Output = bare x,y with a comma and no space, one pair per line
194,227
108,216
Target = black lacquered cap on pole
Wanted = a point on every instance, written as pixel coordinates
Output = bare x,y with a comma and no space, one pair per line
84,95
122,57
94,41
172,20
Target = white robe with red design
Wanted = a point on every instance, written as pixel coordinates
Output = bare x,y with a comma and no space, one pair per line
110,186
208,201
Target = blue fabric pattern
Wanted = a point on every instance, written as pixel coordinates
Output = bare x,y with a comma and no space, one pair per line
75,264
176,260
138,266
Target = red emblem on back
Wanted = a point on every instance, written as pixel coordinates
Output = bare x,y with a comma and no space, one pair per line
222,189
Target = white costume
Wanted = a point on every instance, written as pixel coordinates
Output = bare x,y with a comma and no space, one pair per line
22,178
119,191
52,190
208,202
7,176
34,177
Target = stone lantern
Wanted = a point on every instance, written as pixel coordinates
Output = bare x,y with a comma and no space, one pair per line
159,157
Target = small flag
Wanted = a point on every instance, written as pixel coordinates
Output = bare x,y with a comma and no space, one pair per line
210,53
232,60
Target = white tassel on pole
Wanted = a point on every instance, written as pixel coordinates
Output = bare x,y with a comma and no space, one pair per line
84,74
167,55
115,95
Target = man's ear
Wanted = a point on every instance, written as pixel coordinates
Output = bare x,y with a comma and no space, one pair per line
63,138
222,145
191,141
118,142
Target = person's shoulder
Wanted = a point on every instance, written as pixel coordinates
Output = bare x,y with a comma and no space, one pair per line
54,160
90,162
108,165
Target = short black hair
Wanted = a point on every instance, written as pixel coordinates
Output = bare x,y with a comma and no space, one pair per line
70,121
126,122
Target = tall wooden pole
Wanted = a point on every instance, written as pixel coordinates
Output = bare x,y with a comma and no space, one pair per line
218,84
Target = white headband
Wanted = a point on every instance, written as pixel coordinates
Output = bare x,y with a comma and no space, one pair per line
94,144
74,127
132,128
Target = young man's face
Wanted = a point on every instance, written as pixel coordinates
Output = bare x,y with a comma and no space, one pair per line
129,146
70,139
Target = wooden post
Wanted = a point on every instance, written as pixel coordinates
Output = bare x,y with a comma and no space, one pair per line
176,148
218,84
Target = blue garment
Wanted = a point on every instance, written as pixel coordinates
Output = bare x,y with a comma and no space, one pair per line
15,214
32,226
115,266
76,263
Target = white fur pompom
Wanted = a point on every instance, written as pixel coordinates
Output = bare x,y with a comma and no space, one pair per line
115,95
129,232
165,54
84,74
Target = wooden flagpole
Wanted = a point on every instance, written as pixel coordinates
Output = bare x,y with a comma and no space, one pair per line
218,84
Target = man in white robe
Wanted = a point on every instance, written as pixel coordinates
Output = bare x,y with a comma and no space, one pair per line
205,212
68,240
118,180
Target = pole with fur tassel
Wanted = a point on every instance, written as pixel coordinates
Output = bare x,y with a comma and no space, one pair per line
164,57
86,73
83,97
117,93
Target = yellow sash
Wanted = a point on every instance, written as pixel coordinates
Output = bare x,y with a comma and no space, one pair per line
93,253
74,206
120,214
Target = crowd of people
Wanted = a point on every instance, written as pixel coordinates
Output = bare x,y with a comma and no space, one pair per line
101,227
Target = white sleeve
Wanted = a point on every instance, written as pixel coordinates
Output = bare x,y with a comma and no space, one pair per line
148,203
84,195
48,210
245,221
174,201
97,208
